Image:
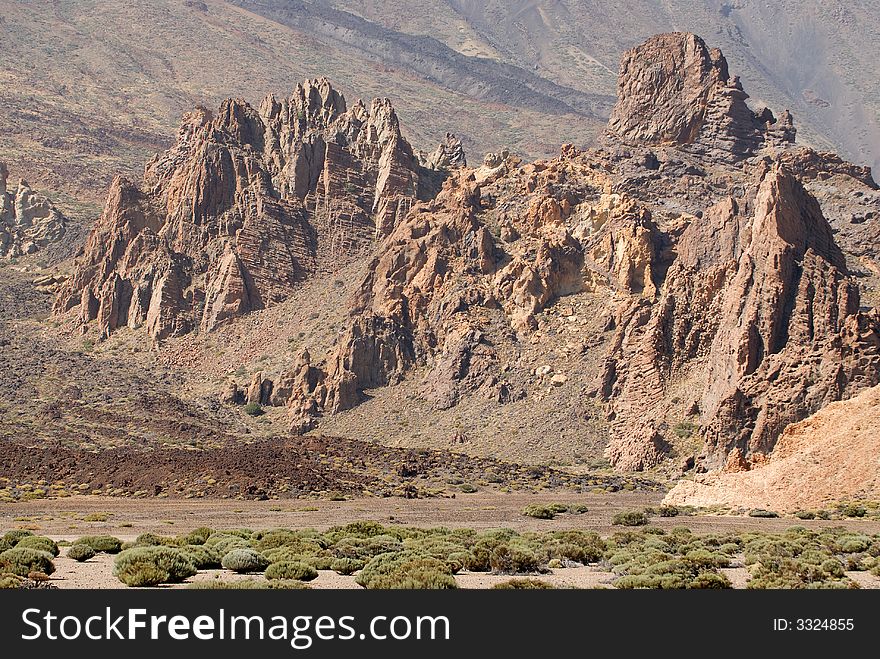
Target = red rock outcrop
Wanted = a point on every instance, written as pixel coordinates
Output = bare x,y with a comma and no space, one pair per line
673,89
246,204
28,221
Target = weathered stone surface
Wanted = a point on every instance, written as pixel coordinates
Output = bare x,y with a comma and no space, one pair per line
673,89
28,221
245,206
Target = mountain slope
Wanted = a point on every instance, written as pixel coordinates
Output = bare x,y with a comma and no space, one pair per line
92,88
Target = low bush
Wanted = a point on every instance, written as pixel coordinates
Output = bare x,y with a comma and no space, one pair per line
80,552
13,537
522,584
22,561
468,488
760,512
106,544
513,559
346,565
291,570
805,514
253,409
539,511
244,560
405,569
39,542
153,565
668,511
197,536
202,557
630,518
10,581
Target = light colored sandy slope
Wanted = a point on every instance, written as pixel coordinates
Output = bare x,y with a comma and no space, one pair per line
831,456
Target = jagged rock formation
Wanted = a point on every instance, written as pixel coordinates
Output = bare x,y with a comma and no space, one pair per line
673,89
28,221
726,321
247,204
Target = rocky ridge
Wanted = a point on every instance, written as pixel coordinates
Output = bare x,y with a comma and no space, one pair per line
713,255
28,221
248,203
724,324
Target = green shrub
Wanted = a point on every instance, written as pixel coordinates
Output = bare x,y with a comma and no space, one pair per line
513,559
418,574
760,512
467,488
630,518
10,581
668,511
539,511
80,553
578,509
106,544
39,542
346,565
709,580
291,570
852,510
154,540
559,508
244,560
253,409
13,537
5,544
197,536
522,584
805,514
405,569
202,557
152,565
22,561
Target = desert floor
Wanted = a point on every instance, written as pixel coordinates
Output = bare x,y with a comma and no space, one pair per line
66,519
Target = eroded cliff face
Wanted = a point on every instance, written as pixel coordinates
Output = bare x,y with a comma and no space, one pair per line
710,258
28,221
730,309
245,205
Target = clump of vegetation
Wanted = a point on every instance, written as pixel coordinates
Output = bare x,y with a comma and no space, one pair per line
346,566
12,538
10,581
253,409
406,570
468,488
22,561
513,559
522,584
630,518
39,542
668,511
202,557
851,510
244,560
151,566
80,553
105,544
197,536
539,511
291,570
760,512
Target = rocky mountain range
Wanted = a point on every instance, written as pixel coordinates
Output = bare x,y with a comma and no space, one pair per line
675,296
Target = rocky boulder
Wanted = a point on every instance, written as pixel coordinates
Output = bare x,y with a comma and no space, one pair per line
28,221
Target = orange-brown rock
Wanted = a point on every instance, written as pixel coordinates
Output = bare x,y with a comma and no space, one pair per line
245,206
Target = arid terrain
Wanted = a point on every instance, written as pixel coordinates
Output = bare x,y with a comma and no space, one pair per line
409,279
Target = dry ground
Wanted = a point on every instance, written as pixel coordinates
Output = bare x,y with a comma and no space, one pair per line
66,519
